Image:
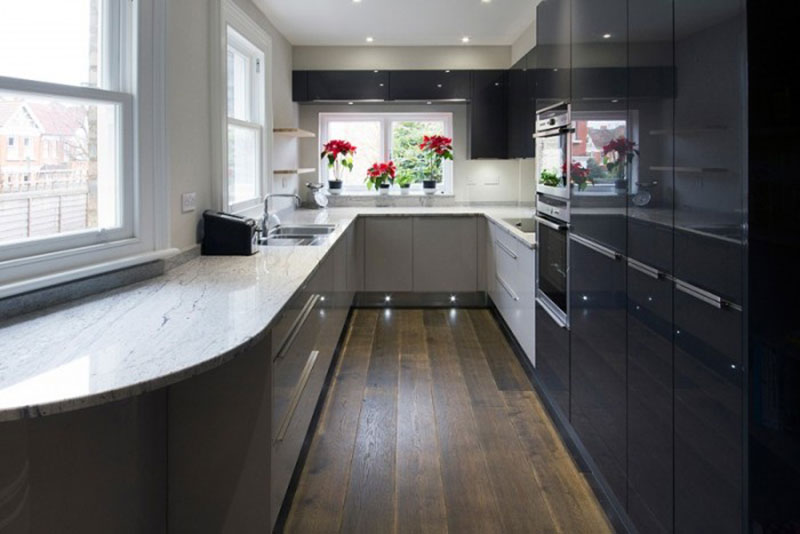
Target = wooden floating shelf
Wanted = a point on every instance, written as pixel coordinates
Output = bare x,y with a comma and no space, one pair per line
294,171
294,132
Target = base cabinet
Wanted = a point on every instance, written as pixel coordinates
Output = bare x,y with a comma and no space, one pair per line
388,249
598,358
552,359
445,254
511,269
301,364
219,434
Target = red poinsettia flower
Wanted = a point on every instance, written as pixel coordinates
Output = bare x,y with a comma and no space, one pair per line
380,173
339,154
577,172
621,145
335,148
438,144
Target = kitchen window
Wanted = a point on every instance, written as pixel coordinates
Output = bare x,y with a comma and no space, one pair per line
68,76
383,137
245,104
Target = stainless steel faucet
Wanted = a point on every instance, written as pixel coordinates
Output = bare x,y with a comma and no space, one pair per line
265,218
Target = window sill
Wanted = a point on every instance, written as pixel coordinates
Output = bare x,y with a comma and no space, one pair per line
71,275
393,193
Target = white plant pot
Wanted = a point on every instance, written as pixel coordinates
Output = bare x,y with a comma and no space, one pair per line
383,191
405,190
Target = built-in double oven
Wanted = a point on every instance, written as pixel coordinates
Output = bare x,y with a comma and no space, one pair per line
553,139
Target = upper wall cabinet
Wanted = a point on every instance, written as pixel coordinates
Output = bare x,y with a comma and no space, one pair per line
429,85
521,112
299,86
553,52
488,131
348,85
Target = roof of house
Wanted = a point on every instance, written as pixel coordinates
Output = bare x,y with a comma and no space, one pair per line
53,118
602,136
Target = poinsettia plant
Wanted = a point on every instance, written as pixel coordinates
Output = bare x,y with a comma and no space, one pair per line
578,174
339,154
617,154
380,173
436,149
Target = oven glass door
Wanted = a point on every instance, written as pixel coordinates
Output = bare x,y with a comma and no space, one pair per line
552,154
552,254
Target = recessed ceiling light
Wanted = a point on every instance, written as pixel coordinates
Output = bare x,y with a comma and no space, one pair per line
486,1
356,1
370,39
606,36
465,39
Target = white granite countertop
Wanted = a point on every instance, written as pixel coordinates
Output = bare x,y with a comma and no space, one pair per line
148,335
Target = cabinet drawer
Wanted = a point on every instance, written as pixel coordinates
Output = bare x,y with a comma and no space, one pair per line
288,317
291,431
289,364
512,289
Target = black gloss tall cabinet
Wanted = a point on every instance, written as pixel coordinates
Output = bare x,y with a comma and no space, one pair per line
658,370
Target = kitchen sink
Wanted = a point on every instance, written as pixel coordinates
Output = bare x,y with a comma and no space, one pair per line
302,229
306,235
527,226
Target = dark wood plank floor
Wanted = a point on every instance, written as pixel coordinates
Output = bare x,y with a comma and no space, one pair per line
431,426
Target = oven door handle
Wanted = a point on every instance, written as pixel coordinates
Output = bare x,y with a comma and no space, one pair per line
553,133
550,224
546,307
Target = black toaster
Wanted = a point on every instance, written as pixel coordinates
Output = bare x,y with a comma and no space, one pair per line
228,235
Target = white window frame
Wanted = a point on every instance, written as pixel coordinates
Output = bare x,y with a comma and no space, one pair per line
134,37
255,94
227,14
386,120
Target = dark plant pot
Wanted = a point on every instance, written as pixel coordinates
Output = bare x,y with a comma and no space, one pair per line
621,185
335,186
429,186
383,189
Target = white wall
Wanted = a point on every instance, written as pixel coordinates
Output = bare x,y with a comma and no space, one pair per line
188,114
473,180
524,43
401,57
189,108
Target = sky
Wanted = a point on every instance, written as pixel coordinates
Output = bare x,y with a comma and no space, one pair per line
45,40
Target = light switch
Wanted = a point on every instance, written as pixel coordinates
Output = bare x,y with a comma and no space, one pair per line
188,202
494,180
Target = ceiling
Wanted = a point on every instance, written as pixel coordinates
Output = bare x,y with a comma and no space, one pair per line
399,23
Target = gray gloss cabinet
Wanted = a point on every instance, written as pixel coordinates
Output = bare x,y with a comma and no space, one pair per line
388,247
445,254
218,447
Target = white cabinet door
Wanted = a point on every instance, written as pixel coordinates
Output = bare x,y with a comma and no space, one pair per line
445,254
513,288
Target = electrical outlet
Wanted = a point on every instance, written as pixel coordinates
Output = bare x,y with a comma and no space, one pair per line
188,202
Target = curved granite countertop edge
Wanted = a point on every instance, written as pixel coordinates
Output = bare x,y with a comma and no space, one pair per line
167,348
